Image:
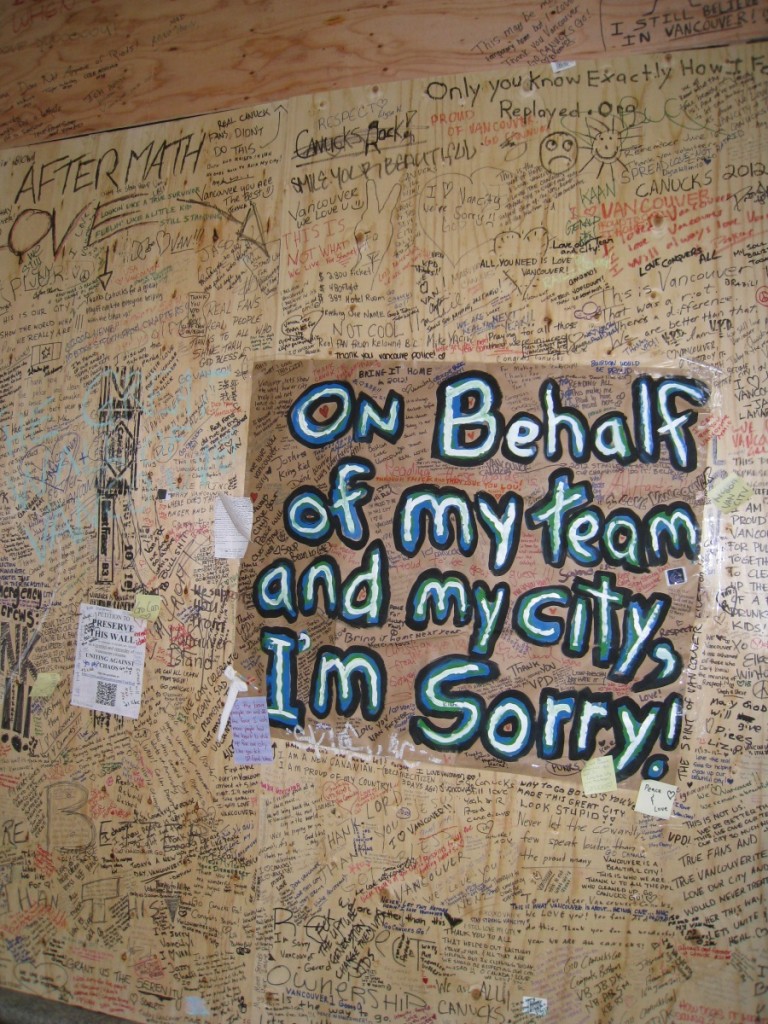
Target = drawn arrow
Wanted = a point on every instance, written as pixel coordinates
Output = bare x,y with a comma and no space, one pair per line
106,273
253,221
280,109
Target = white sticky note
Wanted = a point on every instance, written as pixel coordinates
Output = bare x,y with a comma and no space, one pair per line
598,776
655,798
730,493
250,731
147,606
45,684
232,525
194,1006
535,1006
109,661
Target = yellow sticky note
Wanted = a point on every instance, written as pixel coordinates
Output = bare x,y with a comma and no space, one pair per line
655,798
45,684
598,776
147,606
730,493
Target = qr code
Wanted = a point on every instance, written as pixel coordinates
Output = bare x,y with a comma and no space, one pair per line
535,1006
106,693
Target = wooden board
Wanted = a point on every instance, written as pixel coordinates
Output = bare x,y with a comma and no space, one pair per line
600,223
72,66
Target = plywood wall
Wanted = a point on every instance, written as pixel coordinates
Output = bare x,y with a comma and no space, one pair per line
463,205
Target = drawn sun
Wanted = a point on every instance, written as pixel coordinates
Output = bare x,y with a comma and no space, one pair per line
605,140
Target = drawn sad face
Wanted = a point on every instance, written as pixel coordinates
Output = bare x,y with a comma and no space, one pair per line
558,152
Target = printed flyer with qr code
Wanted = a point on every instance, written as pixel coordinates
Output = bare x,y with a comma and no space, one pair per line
109,661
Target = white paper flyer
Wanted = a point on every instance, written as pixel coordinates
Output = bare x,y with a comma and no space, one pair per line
109,661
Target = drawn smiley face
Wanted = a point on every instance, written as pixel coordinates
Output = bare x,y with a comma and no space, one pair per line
606,145
558,152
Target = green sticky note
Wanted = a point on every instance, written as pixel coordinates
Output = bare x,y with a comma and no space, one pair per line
45,684
147,606
598,776
730,493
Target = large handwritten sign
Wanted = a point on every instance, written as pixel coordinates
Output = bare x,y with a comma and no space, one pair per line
493,563
484,357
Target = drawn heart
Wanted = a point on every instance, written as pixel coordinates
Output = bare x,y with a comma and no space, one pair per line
163,239
522,258
459,213
754,381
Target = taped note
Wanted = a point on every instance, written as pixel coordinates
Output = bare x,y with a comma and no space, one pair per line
45,684
250,731
232,525
655,798
147,606
730,493
196,1007
109,661
598,776
535,1006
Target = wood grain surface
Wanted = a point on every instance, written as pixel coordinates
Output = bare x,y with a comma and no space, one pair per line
401,201
74,66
